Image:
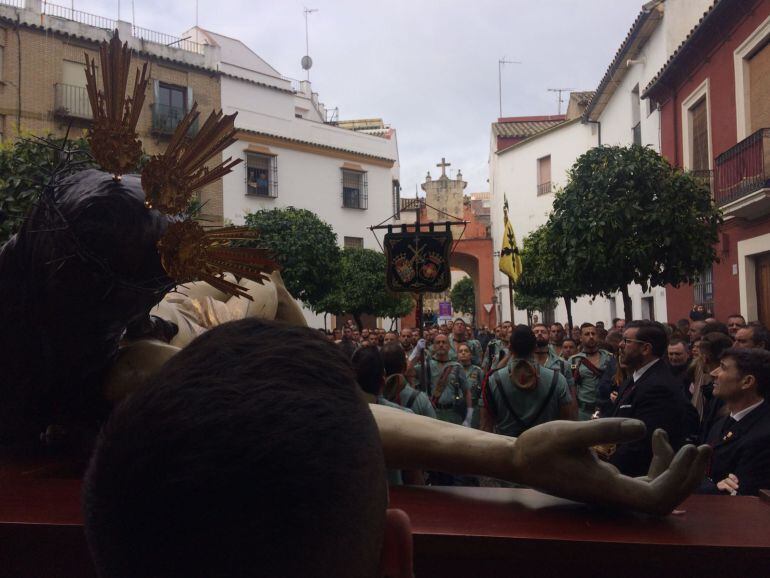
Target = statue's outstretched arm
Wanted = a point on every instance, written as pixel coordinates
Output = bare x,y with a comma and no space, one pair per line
554,457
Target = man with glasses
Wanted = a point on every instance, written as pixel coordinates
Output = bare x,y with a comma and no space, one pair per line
650,394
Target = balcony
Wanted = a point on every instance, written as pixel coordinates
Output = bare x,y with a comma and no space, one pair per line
72,102
166,118
742,177
544,188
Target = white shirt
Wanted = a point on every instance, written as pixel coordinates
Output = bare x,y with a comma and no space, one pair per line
738,416
640,372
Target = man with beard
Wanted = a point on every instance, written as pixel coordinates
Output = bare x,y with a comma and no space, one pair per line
459,336
524,394
547,357
556,335
497,349
347,344
588,368
407,339
447,386
651,394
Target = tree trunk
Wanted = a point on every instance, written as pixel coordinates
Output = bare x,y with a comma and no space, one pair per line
626,303
568,307
357,319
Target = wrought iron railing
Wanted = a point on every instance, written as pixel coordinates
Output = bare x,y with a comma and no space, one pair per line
743,169
636,131
166,118
544,188
68,13
72,101
14,3
167,40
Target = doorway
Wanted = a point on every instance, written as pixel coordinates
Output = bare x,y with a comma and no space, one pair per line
763,288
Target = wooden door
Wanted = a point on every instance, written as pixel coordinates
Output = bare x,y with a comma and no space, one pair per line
763,288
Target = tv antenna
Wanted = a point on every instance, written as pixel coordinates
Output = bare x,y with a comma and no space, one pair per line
307,62
500,80
560,91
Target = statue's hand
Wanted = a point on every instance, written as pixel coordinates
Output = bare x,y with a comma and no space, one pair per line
556,457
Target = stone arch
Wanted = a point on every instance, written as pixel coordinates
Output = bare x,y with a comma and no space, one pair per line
473,256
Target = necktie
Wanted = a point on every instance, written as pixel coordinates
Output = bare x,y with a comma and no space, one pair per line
729,423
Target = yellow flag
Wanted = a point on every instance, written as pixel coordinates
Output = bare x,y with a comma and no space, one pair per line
510,260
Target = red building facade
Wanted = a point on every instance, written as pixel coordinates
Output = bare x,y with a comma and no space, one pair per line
714,99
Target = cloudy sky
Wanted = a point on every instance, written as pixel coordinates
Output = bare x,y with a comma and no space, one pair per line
429,68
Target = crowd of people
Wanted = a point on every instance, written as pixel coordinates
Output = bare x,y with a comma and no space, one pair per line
701,380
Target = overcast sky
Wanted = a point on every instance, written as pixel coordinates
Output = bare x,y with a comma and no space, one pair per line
427,68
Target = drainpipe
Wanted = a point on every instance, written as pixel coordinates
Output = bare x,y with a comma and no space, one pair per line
598,124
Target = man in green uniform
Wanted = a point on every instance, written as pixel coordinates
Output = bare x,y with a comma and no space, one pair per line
547,357
523,393
397,389
497,348
446,384
460,335
588,367
475,377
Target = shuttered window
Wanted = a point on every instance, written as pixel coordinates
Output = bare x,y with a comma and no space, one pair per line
700,136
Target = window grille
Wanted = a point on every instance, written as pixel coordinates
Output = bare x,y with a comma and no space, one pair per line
354,242
261,175
354,189
703,289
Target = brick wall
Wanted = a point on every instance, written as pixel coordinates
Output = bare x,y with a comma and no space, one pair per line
42,61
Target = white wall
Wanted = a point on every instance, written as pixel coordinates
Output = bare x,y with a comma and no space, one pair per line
307,180
514,173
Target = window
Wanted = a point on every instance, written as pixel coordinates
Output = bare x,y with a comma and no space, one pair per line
544,175
71,94
2,128
636,116
703,289
397,199
354,242
700,136
2,62
696,139
261,175
648,308
354,189
170,106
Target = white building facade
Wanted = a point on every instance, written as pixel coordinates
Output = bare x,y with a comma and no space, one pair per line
615,115
345,172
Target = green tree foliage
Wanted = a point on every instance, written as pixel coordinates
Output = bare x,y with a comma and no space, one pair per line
305,247
26,167
463,296
360,288
627,216
544,277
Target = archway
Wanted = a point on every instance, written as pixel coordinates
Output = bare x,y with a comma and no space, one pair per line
474,257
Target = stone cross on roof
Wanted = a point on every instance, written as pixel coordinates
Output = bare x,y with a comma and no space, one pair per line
443,165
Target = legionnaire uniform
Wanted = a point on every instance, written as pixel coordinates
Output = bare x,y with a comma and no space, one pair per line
475,376
586,378
523,394
446,387
398,391
473,344
559,364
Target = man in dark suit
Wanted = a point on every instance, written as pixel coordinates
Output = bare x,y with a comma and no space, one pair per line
741,440
651,394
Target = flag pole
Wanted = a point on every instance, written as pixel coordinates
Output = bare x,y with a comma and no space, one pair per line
510,296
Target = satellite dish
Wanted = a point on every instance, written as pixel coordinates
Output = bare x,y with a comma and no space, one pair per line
307,63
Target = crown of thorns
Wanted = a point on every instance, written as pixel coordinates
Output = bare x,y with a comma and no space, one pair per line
187,251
